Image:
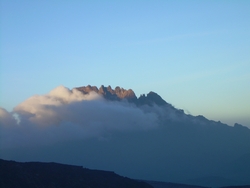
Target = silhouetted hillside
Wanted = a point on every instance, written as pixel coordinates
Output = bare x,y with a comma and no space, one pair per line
158,184
53,175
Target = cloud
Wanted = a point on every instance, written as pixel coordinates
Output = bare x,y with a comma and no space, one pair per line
141,142
65,114
6,118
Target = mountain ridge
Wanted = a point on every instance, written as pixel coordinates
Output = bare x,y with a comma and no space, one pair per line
120,93
52,174
152,98
142,138
56,175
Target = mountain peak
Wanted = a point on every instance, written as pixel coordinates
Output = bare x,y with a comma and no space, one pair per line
120,93
108,93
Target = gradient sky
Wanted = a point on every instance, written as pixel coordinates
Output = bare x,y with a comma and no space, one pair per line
195,54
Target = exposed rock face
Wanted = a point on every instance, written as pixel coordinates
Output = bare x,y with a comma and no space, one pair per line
54,175
110,94
88,89
119,93
150,99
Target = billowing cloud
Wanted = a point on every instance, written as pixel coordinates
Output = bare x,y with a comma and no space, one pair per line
65,114
51,109
6,118
139,141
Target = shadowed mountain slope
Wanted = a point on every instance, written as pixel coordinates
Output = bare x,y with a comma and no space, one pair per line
158,184
54,175
141,138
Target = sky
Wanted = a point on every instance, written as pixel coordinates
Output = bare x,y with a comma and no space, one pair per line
195,54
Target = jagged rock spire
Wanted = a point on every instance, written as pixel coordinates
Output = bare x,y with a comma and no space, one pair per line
120,93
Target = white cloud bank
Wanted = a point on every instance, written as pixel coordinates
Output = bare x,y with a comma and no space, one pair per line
65,114
146,142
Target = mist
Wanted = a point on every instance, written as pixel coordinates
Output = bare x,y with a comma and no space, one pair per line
144,142
70,115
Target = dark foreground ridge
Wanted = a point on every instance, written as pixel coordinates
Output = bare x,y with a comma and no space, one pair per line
54,175
40,175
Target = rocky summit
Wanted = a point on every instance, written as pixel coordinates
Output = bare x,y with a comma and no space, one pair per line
119,94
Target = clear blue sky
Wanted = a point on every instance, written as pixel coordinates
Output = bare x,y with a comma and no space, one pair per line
195,54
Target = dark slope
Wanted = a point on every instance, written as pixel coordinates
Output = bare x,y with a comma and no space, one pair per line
39,175
158,184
